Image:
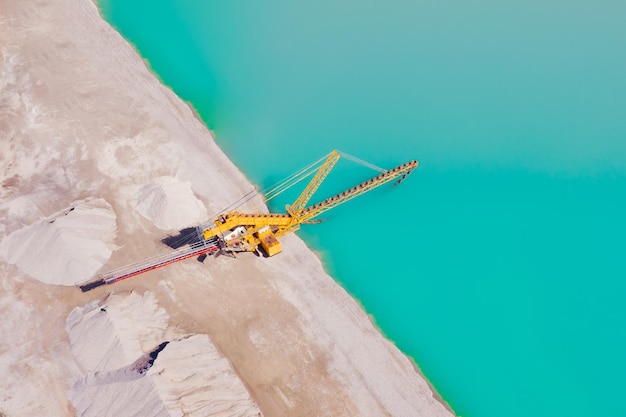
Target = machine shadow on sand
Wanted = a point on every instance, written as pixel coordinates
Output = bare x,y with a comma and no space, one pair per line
191,236
186,236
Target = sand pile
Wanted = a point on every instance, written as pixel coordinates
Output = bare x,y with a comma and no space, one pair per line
67,247
126,351
169,204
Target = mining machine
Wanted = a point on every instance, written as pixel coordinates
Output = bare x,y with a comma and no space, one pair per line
233,232
237,232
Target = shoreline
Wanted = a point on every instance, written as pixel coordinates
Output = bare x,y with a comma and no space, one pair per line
373,322
294,336
199,118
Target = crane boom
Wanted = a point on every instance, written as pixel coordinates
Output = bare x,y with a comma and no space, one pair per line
400,171
313,185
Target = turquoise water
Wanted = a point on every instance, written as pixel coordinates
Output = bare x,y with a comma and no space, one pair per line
499,264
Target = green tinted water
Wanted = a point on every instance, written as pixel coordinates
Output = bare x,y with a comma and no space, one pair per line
499,264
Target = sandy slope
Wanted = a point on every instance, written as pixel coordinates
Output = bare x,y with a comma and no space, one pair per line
69,246
84,125
127,351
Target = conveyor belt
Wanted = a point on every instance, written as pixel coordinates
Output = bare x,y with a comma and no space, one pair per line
129,271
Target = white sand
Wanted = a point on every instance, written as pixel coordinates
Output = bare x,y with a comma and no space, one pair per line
169,204
133,325
83,120
65,248
112,340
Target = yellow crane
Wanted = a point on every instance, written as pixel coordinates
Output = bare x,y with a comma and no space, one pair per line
240,232
234,232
